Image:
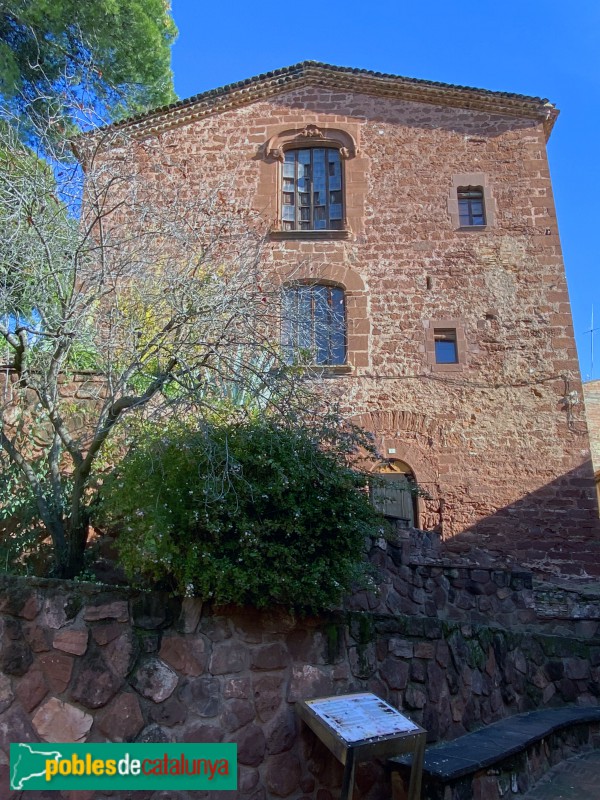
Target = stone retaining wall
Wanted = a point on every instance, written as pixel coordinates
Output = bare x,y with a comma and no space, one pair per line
82,665
414,577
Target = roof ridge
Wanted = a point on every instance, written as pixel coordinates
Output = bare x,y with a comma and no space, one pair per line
304,68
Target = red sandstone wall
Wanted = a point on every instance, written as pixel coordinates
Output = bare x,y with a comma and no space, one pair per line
497,443
591,393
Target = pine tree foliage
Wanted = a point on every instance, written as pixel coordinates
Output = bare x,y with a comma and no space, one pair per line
119,50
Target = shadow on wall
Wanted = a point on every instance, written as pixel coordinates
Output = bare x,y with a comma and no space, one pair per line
553,530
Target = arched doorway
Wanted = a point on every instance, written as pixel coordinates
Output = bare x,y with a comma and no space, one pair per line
394,493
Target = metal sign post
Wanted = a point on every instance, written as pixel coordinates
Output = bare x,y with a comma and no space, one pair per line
359,727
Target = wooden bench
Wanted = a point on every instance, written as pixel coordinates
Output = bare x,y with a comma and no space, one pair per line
449,762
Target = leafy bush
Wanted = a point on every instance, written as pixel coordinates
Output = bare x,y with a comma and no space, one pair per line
252,513
24,544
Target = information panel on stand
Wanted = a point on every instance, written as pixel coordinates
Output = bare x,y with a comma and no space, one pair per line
359,727
356,717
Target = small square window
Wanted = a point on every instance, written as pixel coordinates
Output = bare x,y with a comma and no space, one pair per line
446,349
471,208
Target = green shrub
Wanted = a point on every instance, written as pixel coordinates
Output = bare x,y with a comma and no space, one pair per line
25,547
251,513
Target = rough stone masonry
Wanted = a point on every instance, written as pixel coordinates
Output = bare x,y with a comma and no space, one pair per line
498,439
83,663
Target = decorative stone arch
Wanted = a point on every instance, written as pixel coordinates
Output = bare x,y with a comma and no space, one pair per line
311,135
339,274
344,138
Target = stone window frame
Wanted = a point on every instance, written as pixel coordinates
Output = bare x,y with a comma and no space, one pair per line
461,344
473,179
358,326
354,178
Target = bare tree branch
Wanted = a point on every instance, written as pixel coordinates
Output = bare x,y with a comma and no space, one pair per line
165,306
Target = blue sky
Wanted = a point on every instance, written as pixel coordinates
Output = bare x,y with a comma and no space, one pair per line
543,48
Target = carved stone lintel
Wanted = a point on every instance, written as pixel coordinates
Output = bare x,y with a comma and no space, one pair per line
312,132
275,147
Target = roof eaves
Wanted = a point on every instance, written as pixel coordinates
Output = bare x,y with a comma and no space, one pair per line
370,82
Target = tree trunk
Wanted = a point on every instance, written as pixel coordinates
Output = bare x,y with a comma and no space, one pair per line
70,561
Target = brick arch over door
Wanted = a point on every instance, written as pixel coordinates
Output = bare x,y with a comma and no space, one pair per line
387,427
358,324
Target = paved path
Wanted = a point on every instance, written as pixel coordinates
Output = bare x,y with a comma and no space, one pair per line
575,779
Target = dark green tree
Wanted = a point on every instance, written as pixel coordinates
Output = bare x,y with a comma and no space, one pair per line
114,53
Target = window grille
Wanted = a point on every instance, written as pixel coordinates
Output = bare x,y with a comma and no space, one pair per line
314,324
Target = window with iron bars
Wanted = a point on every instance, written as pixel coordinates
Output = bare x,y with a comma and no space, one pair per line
314,324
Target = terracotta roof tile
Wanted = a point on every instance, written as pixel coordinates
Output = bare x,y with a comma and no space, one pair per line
368,81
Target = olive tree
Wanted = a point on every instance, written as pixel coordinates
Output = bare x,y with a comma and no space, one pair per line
114,306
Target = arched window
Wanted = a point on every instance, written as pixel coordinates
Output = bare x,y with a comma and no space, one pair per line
394,494
313,325
312,197
315,167
471,203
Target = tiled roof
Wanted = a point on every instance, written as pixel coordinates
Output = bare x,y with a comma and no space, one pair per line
342,78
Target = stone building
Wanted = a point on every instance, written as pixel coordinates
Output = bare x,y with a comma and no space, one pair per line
413,229
591,394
